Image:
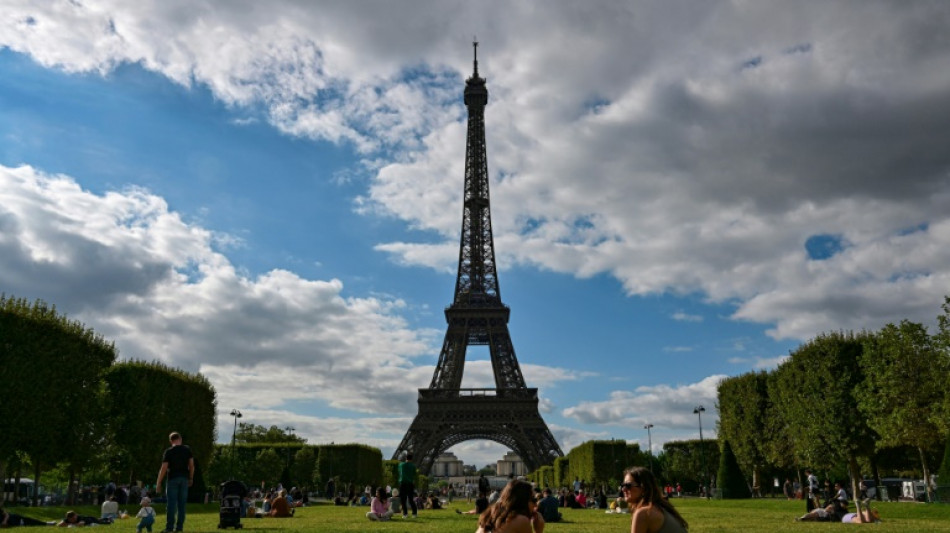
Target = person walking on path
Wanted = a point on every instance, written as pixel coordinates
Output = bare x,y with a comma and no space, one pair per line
178,467
407,486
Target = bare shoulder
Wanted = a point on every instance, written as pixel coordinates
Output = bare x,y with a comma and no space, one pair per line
646,520
519,524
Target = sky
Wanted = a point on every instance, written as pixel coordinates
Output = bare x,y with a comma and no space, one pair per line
269,193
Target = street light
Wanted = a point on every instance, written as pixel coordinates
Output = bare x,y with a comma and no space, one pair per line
236,414
289,430
699,410
650,444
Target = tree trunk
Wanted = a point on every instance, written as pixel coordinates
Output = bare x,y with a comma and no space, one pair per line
855,470
923,462
877,480
36,484
71,489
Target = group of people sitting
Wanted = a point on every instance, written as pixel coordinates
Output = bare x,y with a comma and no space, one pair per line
277,504
836,510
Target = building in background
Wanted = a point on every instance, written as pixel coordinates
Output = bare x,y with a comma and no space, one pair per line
510,465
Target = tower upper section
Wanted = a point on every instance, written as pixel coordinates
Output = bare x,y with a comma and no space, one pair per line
477,282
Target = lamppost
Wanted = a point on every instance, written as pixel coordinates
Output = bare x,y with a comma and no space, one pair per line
699,410
649,444
236,414
290,430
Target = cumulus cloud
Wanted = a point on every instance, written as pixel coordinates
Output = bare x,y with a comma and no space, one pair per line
704,151
662,405
127,264
702,164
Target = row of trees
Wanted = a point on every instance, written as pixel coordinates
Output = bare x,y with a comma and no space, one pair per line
600,463
67,407
297,464
844,402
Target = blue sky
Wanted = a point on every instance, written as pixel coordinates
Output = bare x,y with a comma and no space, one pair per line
273,196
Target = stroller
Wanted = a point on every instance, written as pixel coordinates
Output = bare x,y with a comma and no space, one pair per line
232,498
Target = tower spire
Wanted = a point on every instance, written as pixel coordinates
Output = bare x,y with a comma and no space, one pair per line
475,50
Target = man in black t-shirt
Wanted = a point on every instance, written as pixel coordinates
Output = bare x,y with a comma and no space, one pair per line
179,466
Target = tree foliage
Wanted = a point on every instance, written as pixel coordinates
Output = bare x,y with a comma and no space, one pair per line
301,471
147,401
600,463
688,462
905,385
51,398
253,433
743,403
815,395
730,481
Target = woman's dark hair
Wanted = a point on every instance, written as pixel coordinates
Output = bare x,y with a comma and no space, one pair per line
381,493
651,492
515,499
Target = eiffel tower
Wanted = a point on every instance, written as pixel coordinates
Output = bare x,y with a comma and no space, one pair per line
507,414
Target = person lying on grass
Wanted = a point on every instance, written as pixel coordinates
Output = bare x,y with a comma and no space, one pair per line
14,520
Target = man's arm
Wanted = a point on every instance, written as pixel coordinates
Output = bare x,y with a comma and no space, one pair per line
161,474
191,471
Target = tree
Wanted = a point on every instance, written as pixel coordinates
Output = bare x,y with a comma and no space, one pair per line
253,433
905,383
302,470
743,404
815,394
50,402
266,468
730,479
682,461
942,342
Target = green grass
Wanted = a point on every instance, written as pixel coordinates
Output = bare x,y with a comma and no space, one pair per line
767,515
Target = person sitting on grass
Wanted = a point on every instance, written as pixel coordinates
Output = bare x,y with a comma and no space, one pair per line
379,507
110,508
548,507
279,508
618,506
834,510
652,513
481,505
513,512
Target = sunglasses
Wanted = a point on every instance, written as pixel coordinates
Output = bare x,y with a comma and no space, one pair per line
628,486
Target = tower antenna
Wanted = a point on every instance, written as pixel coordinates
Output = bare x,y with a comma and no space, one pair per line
475,48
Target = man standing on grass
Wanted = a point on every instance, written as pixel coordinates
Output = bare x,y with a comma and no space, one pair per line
407,485
179,466
811,500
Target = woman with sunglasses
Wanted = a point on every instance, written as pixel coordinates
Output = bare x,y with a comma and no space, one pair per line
652,513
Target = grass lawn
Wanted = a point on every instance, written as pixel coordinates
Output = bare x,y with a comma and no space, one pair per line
766,515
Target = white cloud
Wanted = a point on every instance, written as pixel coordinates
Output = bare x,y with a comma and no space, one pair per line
668,165
643,150
131,268
665,406
680,316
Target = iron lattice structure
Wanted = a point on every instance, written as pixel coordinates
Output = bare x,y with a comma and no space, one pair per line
507,414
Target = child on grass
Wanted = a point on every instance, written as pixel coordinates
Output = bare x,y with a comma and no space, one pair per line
147,516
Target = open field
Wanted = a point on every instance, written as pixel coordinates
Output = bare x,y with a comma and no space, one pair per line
767,515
